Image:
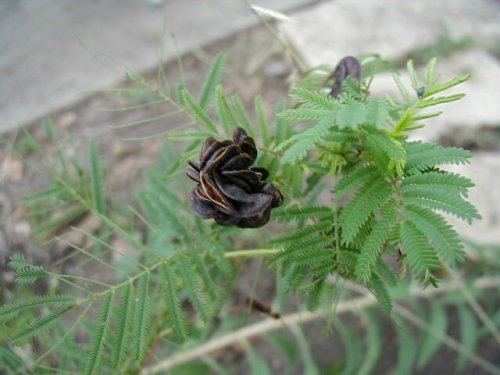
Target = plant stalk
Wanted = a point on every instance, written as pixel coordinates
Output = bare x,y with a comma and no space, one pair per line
250,253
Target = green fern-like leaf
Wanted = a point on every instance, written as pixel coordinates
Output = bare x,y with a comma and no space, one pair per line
446,85
39,324
18,261
303,240
442,236
430,73
161,206
192,286
283,128
443,180
388,154
198,112
263,124
211,82
294,276
351,90
385,273
356,177
201,268
96,348
350,115
304,232
314,294
421,156
288,252
304,114
343,137
420,254
224,112
10,361
142,317
360,238
183,135
97,189
175,310
242,116
372,247
292,213
72,213
440,199
305,141
313,99
429,102
28,275
292,174
10,310
377,112
313,256
157,186
217,250
123,316
380,291
368,198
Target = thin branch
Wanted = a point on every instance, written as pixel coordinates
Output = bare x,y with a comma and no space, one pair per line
269,325
250,253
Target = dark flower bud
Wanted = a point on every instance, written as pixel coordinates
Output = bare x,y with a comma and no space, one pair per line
348,66
230,189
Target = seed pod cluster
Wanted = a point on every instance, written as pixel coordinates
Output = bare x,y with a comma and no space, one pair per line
230,189
348,66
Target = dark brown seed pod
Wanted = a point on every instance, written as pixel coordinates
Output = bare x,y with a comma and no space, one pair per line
230,189
348,66
259,306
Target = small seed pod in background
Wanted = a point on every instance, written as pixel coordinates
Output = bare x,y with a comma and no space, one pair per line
348,66
261,307
421,91
230,189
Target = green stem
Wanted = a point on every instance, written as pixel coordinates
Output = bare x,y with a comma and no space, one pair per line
250,253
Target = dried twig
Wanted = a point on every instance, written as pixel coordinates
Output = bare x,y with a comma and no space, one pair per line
269,325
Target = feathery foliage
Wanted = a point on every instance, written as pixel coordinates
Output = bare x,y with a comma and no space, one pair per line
388,196
123,317
173,303
10,311
39,324
211,82
142,317
200,116
96,348
96,179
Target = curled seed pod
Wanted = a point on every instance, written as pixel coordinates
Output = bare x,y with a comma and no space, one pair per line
348,66
230,189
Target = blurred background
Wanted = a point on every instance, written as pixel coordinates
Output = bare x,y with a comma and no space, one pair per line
60,62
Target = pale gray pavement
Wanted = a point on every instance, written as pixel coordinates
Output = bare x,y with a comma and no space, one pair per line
52,51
